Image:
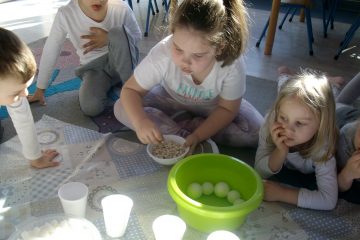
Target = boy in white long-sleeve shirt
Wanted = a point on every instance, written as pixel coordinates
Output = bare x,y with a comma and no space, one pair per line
17,69
105,35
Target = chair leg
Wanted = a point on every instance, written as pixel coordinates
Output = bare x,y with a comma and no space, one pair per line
348,37
292,15
156,6
331,17
130,4
152,8
166,5
148,19
284,18
324,6
263,33
309,30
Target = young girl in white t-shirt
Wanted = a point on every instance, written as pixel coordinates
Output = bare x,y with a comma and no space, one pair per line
298,139
198,69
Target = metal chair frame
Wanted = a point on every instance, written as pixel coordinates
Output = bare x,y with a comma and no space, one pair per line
294,7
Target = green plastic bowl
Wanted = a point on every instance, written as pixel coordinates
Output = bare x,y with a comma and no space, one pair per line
210,213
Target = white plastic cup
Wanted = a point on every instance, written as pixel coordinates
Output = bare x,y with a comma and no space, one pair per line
221,235
168,227
116,210
73,197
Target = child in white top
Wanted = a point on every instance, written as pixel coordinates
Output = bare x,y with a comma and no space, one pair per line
300,134
197,69
348,147
17,69
105,35
348,156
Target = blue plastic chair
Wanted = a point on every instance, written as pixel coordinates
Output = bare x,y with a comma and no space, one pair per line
294,10
293,7
151,8
329,8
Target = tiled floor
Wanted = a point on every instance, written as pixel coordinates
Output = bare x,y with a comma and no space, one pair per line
31,20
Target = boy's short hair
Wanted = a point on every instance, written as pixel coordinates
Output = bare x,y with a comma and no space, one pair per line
15,57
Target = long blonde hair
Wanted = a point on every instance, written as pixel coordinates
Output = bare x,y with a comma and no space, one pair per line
225,22
314,90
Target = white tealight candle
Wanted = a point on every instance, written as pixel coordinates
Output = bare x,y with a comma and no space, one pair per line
168,227
221,235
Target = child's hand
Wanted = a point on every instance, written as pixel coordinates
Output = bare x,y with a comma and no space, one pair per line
278,136
272,191
98,38
191,141
38,96
46,160
352,167
276,192
147,132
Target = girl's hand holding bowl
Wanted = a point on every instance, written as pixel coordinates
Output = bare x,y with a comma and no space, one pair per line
170,151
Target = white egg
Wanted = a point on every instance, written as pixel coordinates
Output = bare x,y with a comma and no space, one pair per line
207,188
221,189
233,195
194,190
238,201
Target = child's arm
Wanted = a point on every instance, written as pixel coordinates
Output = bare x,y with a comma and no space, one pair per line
323,198
276,192
350,172
48,59
23,121
270,158
131,98
326,194
219,118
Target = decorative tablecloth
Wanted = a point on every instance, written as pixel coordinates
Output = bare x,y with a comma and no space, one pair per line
118,163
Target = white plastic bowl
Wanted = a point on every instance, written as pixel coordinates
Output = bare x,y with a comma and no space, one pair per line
82,226
168,161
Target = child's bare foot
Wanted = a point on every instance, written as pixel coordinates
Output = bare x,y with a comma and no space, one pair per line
337,81
284,74
284,70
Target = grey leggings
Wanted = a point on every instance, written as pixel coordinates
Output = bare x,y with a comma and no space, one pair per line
350,92
99,75
345,113
160,106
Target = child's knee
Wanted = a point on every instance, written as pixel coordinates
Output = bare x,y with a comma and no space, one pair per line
91,107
